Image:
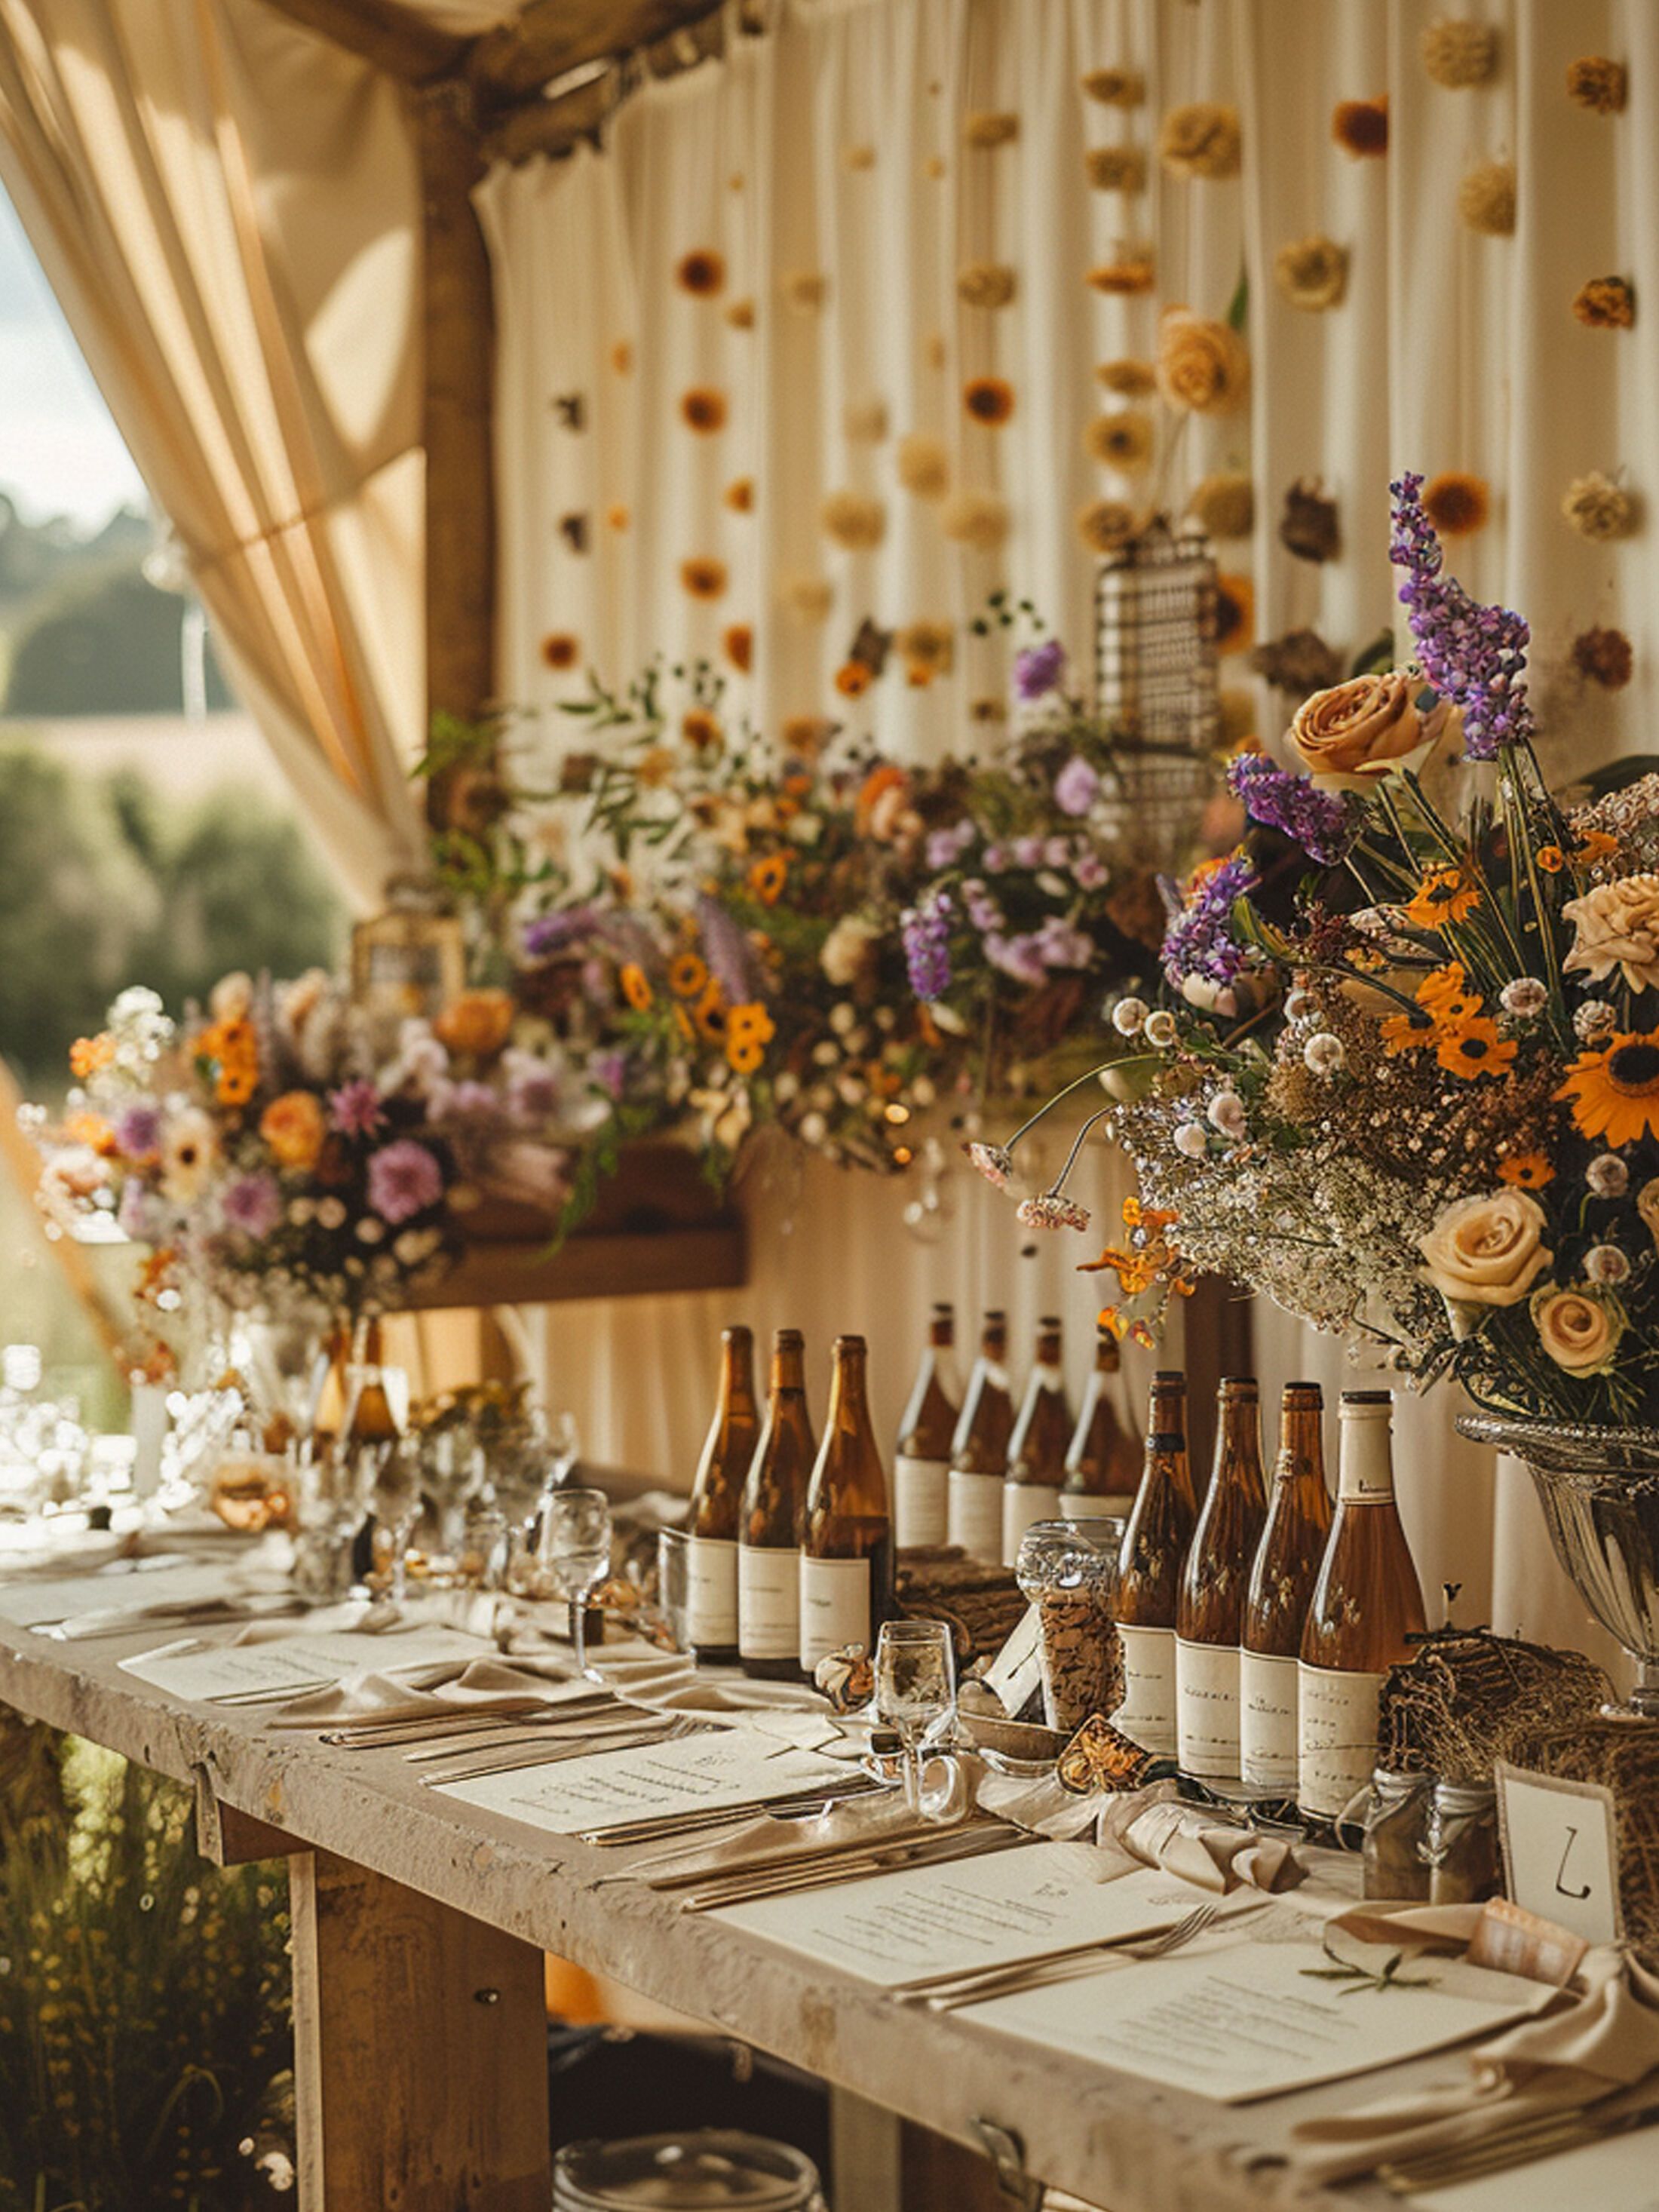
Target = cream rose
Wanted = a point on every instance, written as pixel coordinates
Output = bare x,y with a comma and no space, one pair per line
1203,366
1647,1204
1617,926
1580,1329
846,951
1486,1251
1360,730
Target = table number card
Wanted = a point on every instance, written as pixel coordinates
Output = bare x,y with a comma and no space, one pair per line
1561,1851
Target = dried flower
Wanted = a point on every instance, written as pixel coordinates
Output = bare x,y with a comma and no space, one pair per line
1603,657
1190,1140
1456,504
864,422
977,518
1201,139
1579,1329
1115,168
1360,127
986,284
702,272
923,465
805,290
703,578
1595,1019
1203,365
1616,930
855,158
1132,271
1160,1032
853,520
1596,82
1223,505
1052,1209
1318,821
1458,53
990,127
622,355
561,649
925,930
1525,998
740,315
703,410
927,644
1485,198
1606,303
1115,88
1312,272
1129,1016
1121,441
1309,526
1597,507
1199,942
988,399
1606,1265
809,598
737,643
739,496
1324,1054
1300,662
1225,1115
995,1161
1129,380
1607,1175
1235,614
616,515
404,1179
1104,524
1474,656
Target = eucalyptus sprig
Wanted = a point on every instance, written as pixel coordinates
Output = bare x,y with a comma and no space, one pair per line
1360,1978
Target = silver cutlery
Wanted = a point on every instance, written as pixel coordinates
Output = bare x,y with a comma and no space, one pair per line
670,1827
790,1879
1544,2137
467,1721
133,1621
577,1739
945,1992
552,1755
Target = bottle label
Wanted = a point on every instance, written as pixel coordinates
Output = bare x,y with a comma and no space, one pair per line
835,1607
711,1593
1207,1710
1148,1711
768,1602
1268,1706
976,1515
921,1514
1336,1738
1365,1467
1021,1504
1088,1505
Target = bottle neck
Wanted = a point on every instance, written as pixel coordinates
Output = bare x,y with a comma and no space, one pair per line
849,1407
1365,1474
788,1372
738,1375
1167,1415
1301,1448
1238,1442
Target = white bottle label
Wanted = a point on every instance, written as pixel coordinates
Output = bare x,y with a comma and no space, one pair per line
1336,1738
1267,1705
1148,1711
1021,1504
1086,1505
1207,1710
711,1593
975,1522
921,1514
768,1602
835,1607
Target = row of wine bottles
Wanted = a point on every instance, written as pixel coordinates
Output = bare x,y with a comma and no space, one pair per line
1258,1626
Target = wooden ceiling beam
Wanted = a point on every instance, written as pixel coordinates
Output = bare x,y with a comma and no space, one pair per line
552,37
392,39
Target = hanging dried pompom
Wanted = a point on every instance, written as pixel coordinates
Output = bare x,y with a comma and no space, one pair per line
1485,198
1606,303
561,649
805,290
809,598
976,519
1130,379
1597,84
741,315
1309,526
988,399
1603,657
738,643
924,466
1459,53
739,494
704,577
990,127
805,736
1360,127
702,272
1223,505
1105,523
929,645
1312,272
1115,168
1456,503
1299,662
1597,507
1200,139
1203,365
1132,271
622,355
864,422
988,710
703,410
1121,440
853,520
1115,88
986,284
857,158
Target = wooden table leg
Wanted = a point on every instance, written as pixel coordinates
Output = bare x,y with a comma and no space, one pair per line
420,2052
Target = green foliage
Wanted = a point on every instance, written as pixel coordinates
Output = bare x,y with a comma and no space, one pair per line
104,643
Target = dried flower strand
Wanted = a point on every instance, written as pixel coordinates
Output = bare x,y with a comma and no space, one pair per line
1458,53
1597,507
1360,128
1115,168
1606,303
1115,88
986,284
1485,198
1312,272
1598,83
1201,139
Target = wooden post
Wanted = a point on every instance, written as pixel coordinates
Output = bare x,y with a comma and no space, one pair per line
420,2052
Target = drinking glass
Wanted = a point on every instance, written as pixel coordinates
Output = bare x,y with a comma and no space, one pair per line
398,1502
575,1544
916,1690
673,1583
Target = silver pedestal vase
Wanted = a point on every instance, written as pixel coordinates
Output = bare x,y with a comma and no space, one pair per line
1599,1488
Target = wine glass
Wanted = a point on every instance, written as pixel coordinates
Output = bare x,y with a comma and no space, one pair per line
398,1502
916,1690
576,1544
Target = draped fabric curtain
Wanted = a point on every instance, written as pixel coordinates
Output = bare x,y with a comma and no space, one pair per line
849,169
228,208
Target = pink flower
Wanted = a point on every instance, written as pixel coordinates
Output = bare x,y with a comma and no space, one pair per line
995,1164
354,1110
1052,1210
254,1205
404,1179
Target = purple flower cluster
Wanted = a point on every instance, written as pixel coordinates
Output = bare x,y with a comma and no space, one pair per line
1039,670
1474,656
1030,957
1200,941
404,1179
1077,786
946,846
1318,821
926,933
545,935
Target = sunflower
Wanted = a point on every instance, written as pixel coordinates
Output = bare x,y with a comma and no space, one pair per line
1443,986
703,410
1404,1033
744,1054
686,975
1444,895
636,987
1476,1049
709,1014
988,399
766,881
1551,859
1526,1170
1614,1090
702,273
1235,614
751,1021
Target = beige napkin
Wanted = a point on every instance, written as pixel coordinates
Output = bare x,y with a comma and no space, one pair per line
1146,1827
882,1817
1602,2034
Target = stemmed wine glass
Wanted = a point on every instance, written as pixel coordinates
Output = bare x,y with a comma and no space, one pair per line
916,1690
576,1547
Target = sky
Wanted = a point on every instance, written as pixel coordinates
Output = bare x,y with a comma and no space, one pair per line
59,451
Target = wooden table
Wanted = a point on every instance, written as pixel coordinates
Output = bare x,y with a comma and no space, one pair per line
419,1927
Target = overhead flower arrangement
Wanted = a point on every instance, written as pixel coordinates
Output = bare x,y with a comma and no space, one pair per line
1405,1076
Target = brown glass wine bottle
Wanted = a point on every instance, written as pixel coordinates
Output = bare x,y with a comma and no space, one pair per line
979,1451
1366,1604
1103,1466
921,1467
770,1522
846,1544
1042,1437
1282,1578
1210,1615
1160,1527
716,1500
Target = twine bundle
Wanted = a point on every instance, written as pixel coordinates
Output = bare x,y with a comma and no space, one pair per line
1465,1697
1623,1755
983,1603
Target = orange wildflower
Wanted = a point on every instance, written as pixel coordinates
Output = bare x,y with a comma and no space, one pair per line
1526,1170
767,879
1476,1047
686,975
294,1127
89,1056
1445,894
1551,859
1613,1089
852,679
476,1024
636,986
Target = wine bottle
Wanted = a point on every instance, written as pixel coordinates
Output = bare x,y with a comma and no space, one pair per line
1037,1447
711,1610
979,1450
1160,1529
1210,1615
1103,1466
922,1467
1282,1578
847,1545
1366,1603
771,1522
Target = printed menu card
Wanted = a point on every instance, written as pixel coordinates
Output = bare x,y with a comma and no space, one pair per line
607,1790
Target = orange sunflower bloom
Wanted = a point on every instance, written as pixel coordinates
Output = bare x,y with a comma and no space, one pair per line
1526,1171
709,1014
768,878
1614,1090
744,1054
1442,986
1475,1048
752,1020
1404,1033
988,399
636,987
1445,894
686,975
1551,859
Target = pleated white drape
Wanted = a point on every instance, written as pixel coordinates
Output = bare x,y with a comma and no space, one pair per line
833,149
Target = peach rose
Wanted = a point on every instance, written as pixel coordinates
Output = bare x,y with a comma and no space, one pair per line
294,1129
1356,732
477,1024
1203,365
1579,1329
1617,926
1486,1251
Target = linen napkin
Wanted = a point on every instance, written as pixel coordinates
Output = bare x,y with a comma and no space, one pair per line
882,1817
1600,2035
1148,1827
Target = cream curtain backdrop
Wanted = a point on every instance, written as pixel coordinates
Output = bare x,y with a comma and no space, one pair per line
834,147
227,209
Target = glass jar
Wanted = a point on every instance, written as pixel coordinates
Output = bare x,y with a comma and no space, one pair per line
1462,1846
1396,1823
1068,1569
701,2171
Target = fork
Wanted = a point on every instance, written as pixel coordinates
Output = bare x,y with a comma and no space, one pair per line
551,1755
948,1995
